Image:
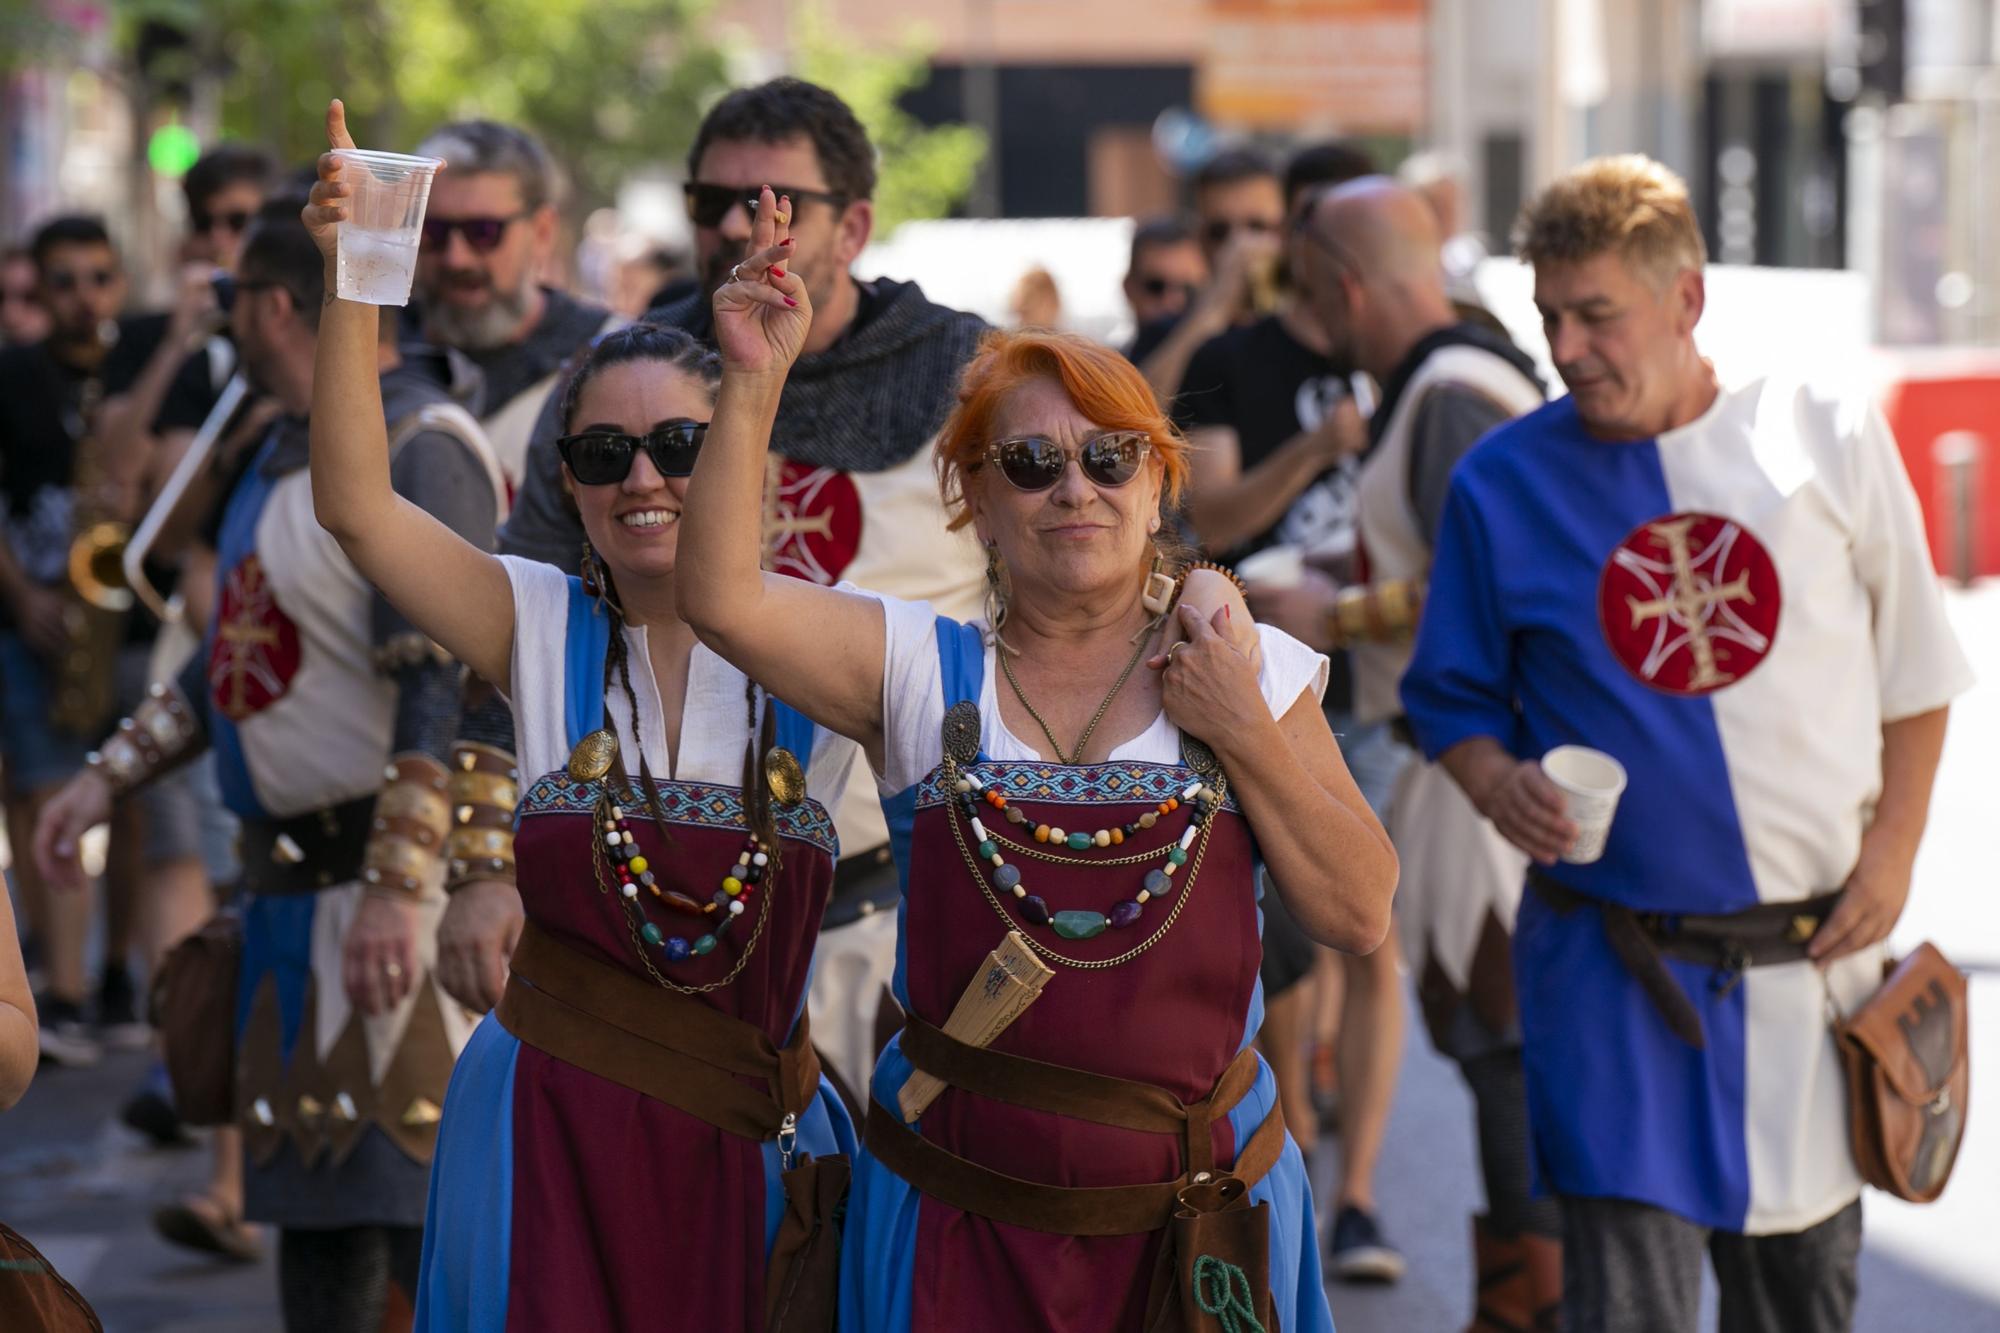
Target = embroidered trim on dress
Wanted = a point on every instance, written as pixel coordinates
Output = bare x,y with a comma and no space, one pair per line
1118,783
696,804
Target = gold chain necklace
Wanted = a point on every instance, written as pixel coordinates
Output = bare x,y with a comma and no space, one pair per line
1007,669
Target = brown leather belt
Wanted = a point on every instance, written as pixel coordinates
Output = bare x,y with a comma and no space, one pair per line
1116,1210
308,852
662,1045
1759,936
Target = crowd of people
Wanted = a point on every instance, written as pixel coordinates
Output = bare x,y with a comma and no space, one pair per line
726,828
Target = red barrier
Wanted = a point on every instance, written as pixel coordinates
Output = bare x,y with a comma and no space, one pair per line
1945,411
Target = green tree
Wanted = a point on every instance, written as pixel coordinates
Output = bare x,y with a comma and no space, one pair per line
924,171
611,85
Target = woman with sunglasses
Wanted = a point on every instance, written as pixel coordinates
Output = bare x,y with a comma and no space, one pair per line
634,1138
1113,1159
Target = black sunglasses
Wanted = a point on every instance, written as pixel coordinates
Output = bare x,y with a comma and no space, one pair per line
604,457
482,234
1161,286
235,220
68,280
1035,462
708,205
1222,229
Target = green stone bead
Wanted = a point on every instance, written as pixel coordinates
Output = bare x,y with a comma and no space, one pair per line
706,944
1079,925
1177,855
1079,841
650,933
987,849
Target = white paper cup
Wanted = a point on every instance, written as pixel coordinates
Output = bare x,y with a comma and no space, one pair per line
1591,782
385,214
1274,567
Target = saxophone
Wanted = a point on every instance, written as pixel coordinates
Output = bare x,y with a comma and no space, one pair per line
84,682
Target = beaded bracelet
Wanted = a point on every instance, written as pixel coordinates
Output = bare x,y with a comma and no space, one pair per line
1223,570
160,733
412,816
485,788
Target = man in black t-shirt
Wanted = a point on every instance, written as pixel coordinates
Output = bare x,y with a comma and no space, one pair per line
50,396
1278,436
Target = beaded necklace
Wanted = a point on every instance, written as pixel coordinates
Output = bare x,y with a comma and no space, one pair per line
616,859
985,854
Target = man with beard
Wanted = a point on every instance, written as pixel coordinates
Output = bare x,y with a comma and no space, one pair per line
489,230
854,496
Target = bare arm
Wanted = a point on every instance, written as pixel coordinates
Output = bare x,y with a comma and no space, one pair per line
1329,856
1880,883
818,649
19,1046
1229,506
448,588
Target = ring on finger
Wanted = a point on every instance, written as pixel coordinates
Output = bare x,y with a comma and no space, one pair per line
736,273
393,970
1170,654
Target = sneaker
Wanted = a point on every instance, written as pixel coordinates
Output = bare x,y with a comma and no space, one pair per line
1358,1252
118,1024
154,1116
66,1038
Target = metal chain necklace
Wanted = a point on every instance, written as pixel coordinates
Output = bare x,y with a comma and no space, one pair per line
1007,669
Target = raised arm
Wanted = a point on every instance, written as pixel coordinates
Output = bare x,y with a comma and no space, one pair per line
818,649
448,588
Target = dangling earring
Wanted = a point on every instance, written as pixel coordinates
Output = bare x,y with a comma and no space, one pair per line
596,579
1158,596
997,589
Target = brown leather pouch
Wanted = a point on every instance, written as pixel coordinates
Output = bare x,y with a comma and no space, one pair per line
1214,1259
35,1296
1908,1075
802,1278
194,1007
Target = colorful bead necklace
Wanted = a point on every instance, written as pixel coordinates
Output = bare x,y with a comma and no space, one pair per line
990,868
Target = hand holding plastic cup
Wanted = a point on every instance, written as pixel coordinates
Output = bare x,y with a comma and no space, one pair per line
1591,782
377,257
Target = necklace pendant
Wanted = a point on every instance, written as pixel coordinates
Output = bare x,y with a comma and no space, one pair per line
784,777
1197,756
961,733
591,759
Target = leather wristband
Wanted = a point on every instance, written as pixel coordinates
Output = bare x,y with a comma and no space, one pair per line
407,834
160,734
485,789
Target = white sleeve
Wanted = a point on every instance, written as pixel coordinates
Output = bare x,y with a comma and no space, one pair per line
541,636
1917,657
1290,669
912,693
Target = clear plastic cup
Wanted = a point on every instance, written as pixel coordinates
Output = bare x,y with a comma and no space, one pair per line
385,214
1274,567
1591,782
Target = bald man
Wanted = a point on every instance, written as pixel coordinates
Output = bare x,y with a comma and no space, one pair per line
1371,269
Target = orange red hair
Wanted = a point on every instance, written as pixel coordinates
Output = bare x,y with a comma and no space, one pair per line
1106,388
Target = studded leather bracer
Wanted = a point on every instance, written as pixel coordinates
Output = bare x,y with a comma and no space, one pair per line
485,788
162,734
1381,612
407,836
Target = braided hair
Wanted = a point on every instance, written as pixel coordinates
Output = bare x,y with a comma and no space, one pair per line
678,350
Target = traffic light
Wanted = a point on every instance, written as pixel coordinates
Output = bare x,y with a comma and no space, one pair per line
1882,48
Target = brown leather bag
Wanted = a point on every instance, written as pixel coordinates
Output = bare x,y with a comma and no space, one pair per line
1908,1075
194,1008
35,1296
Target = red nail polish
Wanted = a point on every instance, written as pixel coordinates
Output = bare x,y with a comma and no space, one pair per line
777,273
790,302
788,241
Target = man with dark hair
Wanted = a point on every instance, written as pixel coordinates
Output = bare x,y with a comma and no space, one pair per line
225,188
311,686
53,397
854,496
1167,271
489,233
1239,210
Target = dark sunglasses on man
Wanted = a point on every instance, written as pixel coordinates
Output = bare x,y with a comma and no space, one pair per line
482,234
1035,462
234,221
604,457
708,205
1221,229
1157,287
68,280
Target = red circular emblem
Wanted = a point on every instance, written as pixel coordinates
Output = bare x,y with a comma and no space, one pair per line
812,521
256,649
1689,603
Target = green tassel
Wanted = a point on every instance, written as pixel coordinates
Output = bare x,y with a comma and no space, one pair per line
1223,1290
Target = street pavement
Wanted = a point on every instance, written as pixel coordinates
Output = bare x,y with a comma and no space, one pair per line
81,1187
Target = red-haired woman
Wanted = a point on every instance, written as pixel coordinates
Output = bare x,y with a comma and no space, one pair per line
1114,1159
